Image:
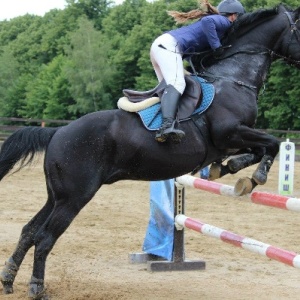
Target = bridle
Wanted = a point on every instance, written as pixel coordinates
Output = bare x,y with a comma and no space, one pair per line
295,33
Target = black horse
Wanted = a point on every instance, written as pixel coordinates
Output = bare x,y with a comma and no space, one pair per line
107,146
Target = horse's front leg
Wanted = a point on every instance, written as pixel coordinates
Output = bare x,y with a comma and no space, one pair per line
234,164
260,175
12,265
242,137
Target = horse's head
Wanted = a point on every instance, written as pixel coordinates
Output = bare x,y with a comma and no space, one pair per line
290,46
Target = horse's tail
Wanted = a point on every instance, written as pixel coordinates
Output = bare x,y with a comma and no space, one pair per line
22,146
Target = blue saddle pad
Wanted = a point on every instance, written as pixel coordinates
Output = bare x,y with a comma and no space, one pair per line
152,117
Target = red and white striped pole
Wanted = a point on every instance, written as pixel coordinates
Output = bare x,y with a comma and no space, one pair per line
263,198
205,185
284,256
274,200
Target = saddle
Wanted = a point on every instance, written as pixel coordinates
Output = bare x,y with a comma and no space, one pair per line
189,102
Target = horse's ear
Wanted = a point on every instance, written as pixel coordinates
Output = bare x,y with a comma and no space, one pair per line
281,8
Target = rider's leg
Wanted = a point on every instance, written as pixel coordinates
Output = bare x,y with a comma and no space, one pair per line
169,105
167,62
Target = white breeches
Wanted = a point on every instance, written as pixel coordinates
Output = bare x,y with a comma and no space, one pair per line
167,61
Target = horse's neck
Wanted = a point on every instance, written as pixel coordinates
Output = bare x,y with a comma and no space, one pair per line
249,59
250,69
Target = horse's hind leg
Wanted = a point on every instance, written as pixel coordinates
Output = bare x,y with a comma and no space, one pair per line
59,220
12,265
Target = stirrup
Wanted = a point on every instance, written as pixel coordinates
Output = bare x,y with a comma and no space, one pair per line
164,133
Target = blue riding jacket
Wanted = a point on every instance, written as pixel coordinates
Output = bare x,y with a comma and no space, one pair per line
201,34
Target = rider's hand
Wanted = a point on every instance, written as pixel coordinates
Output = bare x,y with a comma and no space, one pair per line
218,52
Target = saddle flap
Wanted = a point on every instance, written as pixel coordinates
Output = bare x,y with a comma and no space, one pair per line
191,98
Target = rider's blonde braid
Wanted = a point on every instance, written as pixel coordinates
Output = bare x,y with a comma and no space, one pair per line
182,17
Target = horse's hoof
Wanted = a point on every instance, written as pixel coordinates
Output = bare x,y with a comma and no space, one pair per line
214,171
37,290
243,186
7,287
7,276
37,295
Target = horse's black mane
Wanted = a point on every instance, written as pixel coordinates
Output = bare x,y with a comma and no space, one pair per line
249,21
252,18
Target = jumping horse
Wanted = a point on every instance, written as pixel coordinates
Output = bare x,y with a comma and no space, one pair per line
106,146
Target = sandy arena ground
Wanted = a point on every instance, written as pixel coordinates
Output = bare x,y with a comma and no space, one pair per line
90,261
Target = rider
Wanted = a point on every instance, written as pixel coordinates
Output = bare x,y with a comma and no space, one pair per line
168,49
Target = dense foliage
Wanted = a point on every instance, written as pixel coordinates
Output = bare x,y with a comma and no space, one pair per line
77,60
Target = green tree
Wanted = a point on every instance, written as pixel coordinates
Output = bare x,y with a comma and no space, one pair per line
17,96
48,93
10,30
279,105
37,94
60,98
94,10
9,76
88,72
55,28
123,55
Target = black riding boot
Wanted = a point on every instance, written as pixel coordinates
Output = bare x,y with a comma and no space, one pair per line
169,104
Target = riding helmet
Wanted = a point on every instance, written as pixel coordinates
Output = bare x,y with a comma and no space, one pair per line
231,7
